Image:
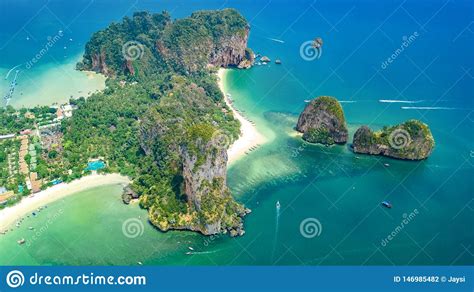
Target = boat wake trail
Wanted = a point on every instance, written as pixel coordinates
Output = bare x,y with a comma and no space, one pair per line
202,252
276,40
399,101
348,101
427,108
277,221
11,70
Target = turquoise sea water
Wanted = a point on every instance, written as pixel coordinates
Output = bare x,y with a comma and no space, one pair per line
342,191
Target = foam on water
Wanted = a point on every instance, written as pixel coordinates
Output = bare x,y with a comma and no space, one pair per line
427,108
399,101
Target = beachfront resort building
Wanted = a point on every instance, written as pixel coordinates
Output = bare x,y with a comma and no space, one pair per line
64,111
9,136
5,195
22,153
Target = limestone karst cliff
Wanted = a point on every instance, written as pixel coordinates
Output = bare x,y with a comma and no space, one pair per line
322,121
411,140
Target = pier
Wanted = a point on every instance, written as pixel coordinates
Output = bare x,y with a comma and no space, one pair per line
9,95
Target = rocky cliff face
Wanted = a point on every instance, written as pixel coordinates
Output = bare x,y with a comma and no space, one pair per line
230,50
204,183
99,64
322,121
411,140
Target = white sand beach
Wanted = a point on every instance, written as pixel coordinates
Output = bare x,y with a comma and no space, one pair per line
10,215
249,136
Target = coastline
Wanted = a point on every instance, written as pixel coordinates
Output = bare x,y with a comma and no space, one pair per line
53,83
9,215
249,135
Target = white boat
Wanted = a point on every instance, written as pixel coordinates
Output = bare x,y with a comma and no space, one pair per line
190,248
278,205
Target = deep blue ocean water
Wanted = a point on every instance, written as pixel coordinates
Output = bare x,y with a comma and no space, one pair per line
339,189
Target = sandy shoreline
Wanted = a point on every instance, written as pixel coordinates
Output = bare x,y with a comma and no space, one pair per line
249,137
10,215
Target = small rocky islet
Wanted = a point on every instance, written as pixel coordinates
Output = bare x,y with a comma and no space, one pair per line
411,140
323,122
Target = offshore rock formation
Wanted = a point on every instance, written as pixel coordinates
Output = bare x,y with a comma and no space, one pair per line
411,140
248,60
322,121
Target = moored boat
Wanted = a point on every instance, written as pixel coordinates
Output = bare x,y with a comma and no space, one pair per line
387,204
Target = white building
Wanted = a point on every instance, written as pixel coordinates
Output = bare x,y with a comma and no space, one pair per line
9,136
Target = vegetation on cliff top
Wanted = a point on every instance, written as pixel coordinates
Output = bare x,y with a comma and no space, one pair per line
322,121
331,105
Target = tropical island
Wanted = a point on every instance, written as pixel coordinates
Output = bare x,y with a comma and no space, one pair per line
322,121
162,121
411,140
